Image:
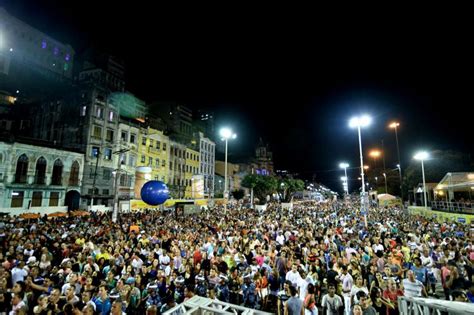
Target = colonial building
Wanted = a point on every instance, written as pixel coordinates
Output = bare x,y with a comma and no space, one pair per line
153,151
263,162
207,152
39,176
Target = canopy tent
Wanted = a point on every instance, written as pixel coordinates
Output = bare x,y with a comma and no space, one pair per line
383,197
458,181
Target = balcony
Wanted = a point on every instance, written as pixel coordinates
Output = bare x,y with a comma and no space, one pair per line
454,207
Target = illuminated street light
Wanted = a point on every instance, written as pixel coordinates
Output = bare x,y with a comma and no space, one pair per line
394,125
226,134
422,156
346,186
360,122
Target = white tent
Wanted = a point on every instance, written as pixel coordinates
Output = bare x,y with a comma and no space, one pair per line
384,197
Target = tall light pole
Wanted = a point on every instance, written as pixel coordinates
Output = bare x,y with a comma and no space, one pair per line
117,177
421,156
359,122
226,134
394,125
375,154
345,166
385,180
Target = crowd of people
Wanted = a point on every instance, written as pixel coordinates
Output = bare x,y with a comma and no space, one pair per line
318,257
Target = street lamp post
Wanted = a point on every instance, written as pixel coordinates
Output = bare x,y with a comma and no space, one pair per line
375,154
226,134
117,176
345,166
394,125
421,156
385,180
358,122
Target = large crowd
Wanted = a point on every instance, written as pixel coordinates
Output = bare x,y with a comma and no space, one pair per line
318,257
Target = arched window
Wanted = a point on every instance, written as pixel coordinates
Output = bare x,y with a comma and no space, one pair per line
74,174
57,173
40,174
21,169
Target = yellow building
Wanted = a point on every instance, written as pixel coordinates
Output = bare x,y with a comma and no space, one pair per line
153,151
191,169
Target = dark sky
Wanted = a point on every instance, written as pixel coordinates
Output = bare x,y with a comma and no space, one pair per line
293,77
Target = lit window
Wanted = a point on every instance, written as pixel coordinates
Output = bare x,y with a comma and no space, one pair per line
83,110
44,44
108,154
68,57
56,51
111,116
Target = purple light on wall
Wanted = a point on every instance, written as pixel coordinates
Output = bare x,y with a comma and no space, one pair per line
67,57
56,50
44,44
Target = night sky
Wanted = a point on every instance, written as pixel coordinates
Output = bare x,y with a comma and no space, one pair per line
293,80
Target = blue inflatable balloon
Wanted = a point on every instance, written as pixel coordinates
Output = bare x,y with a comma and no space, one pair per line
154,192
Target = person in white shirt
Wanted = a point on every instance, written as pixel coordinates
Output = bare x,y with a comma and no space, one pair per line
347,281
413,287
331,302
19,273
280,239
293,276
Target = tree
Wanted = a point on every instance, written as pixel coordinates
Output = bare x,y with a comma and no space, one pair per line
238,194
262,185
289,186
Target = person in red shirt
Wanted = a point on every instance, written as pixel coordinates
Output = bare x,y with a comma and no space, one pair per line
391,294
197,256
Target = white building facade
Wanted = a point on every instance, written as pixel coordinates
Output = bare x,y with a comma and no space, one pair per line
34,177
207,151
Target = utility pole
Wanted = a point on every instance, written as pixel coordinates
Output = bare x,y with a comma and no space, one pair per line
95,176
117,177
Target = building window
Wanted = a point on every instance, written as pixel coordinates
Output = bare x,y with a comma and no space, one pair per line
99,112
83,111
163,163
109,137
111,116
105,192
144,140
187,155
57,173
17,199
131,160
40,173
123,159
171,166
106,174
21,169
150,161
95,152
143,159
124,136
158,145
54,199
37,199
97,132
157,161
151,143
74,174
132,138
108,154
164,146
